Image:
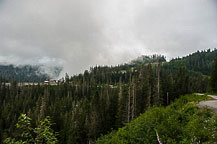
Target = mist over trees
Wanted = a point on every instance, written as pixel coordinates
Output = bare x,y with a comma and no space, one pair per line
28,73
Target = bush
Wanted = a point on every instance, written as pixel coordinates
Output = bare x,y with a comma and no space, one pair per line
180,122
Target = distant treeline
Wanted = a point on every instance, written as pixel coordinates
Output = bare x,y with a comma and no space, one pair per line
201,61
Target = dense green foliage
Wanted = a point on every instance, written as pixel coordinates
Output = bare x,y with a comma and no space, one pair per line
200,61
213,81
26,73
29,135
180,122
88,105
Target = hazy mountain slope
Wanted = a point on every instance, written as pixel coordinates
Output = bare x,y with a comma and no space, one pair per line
28,73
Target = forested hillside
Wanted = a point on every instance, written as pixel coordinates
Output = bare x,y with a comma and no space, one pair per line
86,106
27,73
200,61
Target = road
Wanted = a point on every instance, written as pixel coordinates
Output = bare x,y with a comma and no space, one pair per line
212,104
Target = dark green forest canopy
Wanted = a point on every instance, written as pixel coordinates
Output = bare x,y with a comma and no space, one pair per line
86,106
89,105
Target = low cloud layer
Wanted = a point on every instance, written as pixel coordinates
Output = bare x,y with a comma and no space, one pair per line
79,34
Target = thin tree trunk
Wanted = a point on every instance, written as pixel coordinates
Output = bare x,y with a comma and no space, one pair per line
158,84
129,104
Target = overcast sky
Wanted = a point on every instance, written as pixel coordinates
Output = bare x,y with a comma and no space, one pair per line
78,34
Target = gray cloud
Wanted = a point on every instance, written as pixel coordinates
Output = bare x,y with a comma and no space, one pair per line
80,34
